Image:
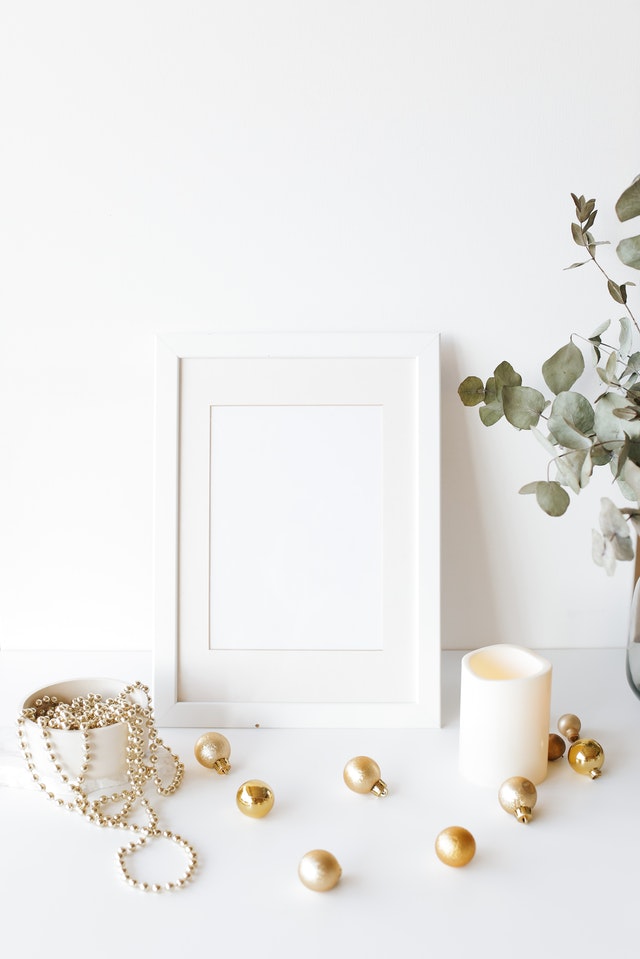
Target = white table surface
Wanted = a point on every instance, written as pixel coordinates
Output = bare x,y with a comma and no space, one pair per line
564,885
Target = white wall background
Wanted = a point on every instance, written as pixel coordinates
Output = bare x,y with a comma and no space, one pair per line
339,165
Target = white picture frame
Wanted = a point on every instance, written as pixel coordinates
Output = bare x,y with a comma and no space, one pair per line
336,623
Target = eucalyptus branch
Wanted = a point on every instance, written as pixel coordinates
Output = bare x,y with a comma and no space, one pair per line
584,432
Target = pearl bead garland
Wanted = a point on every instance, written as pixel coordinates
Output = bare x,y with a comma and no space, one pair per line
93,712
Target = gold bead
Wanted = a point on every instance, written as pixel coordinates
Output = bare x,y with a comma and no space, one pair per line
319,870
586,756
362,775
255,799
556,747
213,750
455,846
518,796
569,725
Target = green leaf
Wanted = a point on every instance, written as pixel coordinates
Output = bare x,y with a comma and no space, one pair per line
490,390
626,336
597,333
628,204
574,266
522,406
614,527
562,369
505,375
491,413
552,498
471,391
529,488
571,420
628,251
610,429
630,475
616,292
577,234
602,552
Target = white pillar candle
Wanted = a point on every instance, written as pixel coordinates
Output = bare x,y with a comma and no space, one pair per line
505,694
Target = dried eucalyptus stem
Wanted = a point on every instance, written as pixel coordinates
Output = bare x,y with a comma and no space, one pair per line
583,434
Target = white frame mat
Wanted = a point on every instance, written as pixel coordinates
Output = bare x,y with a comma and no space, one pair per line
297,515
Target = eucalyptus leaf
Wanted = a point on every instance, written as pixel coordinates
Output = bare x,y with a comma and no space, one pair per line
611,368
577,234
614,527
602,552
630,473
626,338
491,413
628,204
552,498
490,390
628,251
522,406
616,292
609,428
529,488
571,421
562,369
471,391
599,330
574,266
505,375
576,469
587,469
634,519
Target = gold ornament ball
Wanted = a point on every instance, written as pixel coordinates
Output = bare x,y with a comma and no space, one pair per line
569,725
556,747
518,796
586,756
362,775
319,870
255,798
213,750
455,846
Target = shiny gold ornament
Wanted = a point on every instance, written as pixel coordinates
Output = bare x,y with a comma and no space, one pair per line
556,747
455,846
255,798
362,775
319,870
518,796
586,756
569,725
213,750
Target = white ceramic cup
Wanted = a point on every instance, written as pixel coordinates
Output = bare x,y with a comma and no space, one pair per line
505,696
108,765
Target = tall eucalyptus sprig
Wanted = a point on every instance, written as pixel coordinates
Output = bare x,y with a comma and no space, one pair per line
581,433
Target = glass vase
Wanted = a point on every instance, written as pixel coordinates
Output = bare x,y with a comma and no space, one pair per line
633,642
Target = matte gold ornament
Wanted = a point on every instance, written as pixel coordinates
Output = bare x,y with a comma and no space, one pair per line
586,756
319,870
455,846
255,798
362,775
213,750
556,747
518,796
569,725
